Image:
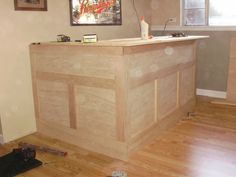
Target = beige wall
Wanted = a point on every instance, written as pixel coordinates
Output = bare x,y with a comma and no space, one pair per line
212,54
162,10
19,29
213,60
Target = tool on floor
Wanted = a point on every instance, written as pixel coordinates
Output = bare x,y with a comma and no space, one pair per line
63,38
118,174
43,149
191,114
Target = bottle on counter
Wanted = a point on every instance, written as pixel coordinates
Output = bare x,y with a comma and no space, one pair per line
144,28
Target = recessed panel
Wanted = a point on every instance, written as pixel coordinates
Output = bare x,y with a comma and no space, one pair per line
72,63
187,85
167,95
141,108
53,102
96,111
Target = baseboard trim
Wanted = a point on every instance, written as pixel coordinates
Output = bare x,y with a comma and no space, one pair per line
211,93
1,139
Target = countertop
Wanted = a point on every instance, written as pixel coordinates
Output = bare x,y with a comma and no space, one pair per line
129,41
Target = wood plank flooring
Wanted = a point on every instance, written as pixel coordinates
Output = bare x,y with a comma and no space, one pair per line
202,146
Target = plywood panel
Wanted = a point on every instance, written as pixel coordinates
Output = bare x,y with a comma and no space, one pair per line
121,84
53,102
167,95
187,85
162,58
80,80
141,108
68,63
112,103
95,108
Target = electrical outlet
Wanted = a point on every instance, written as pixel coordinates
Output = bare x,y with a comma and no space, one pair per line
172,19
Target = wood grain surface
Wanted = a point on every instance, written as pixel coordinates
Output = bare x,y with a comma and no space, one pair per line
112,100
202,146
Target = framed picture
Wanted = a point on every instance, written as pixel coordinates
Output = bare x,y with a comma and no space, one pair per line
37,5
95,12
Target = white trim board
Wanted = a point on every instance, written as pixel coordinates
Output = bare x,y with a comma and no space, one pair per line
1,139
211,93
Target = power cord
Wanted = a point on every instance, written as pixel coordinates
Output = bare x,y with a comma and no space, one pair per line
167,21
136,12
176,34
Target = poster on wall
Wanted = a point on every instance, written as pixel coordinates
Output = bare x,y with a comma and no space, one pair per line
33,5
95,12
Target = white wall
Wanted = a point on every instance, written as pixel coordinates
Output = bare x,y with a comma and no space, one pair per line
20,28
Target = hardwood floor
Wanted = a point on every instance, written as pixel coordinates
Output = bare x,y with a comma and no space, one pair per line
202,146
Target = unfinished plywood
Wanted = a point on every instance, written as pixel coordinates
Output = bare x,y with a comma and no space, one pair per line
158,62
187,85
141,108
53,102
167,95
112,100
67,62
96,113
164,56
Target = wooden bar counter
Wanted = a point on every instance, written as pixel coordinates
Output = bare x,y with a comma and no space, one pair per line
115,96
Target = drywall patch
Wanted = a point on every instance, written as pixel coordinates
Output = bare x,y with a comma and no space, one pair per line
154,68
169,50
136,73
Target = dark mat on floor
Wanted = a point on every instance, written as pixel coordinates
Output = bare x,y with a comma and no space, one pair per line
18,161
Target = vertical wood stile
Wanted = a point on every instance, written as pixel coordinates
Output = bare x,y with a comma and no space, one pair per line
121,98
156,100
72,109
178,90
34,83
